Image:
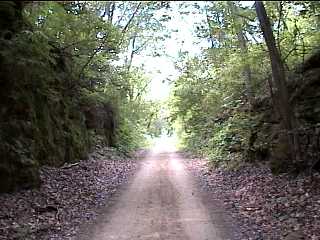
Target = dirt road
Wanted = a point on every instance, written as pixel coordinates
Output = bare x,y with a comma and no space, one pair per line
161,202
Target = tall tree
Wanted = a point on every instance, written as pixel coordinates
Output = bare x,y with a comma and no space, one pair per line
279,78
239,26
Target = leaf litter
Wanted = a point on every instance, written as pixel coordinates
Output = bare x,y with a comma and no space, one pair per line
264,205
68,197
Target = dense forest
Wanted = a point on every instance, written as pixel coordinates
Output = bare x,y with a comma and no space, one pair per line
245,100
72,86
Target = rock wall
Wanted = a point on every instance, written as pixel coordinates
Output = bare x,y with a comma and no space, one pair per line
41,117
267,141
101,117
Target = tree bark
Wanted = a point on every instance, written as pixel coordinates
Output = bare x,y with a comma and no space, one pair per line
279,78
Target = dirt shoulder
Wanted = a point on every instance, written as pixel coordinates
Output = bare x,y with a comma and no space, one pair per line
68,197
264,206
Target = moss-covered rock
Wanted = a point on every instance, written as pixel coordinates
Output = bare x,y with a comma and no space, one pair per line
269,138
46,118
41,122
100,115
11,19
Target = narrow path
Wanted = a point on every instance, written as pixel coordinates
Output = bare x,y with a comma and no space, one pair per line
162,202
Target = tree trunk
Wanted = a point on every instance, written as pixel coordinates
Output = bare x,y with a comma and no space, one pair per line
247,70
109,11
244,50
133,45
210,30
279,78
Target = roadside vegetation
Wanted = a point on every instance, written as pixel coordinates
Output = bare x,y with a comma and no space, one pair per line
76,108
248,97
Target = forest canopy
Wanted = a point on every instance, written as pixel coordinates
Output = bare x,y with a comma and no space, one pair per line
216,90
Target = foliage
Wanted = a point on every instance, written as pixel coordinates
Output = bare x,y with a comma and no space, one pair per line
97,37
230,139
210,102
96,44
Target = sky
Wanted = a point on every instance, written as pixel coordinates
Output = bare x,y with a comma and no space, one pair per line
161,68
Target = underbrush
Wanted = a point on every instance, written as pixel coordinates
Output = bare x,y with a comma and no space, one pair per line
225,142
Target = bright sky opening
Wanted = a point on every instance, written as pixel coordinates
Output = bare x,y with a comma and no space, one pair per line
161,69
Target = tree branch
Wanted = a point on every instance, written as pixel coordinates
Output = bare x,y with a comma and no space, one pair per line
142,90
279,23
131,18
246,17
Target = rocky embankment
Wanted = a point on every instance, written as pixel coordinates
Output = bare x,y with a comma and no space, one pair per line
68,196
48,116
